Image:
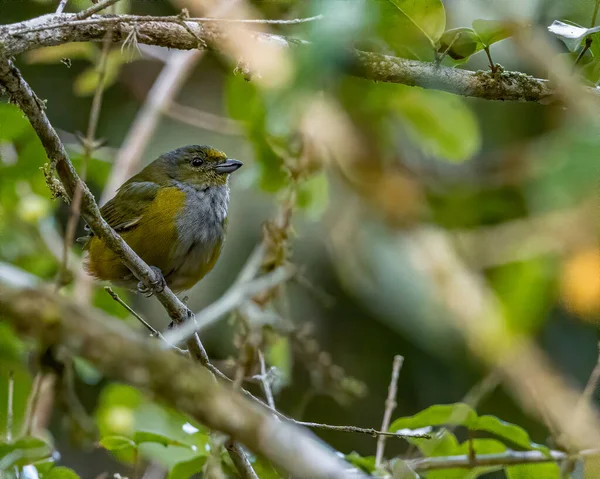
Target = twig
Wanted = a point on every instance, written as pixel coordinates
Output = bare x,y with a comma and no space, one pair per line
595,14
233,298
390,405
101,5
501,459
264,381
115,296
31,407
202,119
360,430
240,460
61,6
9,407
82,19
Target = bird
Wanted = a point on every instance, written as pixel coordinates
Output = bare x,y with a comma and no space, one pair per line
173,214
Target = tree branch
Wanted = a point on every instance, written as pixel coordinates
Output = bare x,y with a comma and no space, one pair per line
51,30
507,458
108,344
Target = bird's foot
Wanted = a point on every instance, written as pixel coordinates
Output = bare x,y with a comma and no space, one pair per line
151,287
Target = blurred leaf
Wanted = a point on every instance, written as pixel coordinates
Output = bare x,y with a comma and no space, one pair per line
25,451
12,122
460,43
11,346
443,443
511,433
440,123
491,31
87,81
264,469
313,195
116,443
526,291
73,51
186,469
61,473
245,104
570,33
88,373
366,463
457,414
140,437
528,471
480,446
279,355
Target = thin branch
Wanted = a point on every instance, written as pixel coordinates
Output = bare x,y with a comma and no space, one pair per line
115,296
130,19
390,405
9,408
264,381
240,460
360,430
233,298
61,6
507,458
202,119
508,86
177,382
94,9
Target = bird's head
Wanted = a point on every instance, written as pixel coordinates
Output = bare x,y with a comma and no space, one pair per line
196,165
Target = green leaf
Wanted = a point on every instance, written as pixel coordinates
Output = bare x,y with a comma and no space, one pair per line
410,28
510,433
528,471
443,443
364,463
140,437
25,451
186,469
460,43
279,354
116,443
492,31
313,195
429,16
61,473
571,34
457,414
440,123
480,446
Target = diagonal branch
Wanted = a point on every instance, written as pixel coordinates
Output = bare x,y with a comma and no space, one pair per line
52,30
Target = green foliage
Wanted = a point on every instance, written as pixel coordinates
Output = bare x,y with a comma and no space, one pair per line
460,414
61,473
22,452
186,469
571,34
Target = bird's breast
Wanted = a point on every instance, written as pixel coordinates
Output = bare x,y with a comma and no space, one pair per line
201,233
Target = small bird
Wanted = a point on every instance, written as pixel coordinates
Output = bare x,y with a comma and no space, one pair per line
173,214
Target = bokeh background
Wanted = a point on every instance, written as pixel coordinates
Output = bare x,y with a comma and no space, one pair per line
512,186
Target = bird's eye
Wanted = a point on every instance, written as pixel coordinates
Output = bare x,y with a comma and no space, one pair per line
197,162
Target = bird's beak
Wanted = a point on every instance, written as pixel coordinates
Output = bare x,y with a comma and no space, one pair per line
228,166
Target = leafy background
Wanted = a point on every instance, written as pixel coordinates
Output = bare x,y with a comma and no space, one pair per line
463,165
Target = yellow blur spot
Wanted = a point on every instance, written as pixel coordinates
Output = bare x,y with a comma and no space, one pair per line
580,282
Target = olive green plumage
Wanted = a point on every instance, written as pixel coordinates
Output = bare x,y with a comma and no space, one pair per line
173,214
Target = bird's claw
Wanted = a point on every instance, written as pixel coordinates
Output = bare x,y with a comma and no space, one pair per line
152,287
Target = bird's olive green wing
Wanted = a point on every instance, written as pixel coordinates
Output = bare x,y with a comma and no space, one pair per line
126,209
